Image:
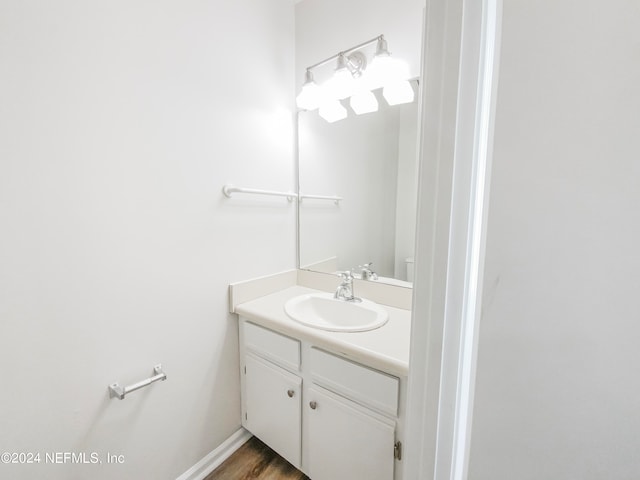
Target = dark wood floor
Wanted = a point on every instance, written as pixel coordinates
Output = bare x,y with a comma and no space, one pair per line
255,461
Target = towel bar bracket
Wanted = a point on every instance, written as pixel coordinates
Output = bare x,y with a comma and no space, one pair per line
116,390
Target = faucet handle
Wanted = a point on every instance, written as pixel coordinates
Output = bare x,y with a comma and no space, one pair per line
367,272
347,275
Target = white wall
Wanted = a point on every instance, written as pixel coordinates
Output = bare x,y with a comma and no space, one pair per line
119,124
557,384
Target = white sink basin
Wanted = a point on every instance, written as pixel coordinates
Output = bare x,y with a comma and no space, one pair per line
321,310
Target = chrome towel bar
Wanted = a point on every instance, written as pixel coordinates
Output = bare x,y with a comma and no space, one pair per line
115,390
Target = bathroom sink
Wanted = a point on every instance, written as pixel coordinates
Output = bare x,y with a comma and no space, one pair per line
321,310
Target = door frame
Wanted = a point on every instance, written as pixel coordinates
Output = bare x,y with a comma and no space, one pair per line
460,66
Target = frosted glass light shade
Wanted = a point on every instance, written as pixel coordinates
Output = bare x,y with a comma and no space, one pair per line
398,92
340,85
364,102
383,70
310,96
377,73
332,111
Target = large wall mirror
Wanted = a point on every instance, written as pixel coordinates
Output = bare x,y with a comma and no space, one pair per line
368,160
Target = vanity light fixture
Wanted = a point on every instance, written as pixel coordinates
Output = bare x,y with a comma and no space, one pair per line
352,78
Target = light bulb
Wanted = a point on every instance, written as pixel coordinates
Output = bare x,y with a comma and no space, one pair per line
383,70
341,84
376,76
398,92
332,111
310,96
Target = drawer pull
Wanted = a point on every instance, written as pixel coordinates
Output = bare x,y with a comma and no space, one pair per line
313,405
291,393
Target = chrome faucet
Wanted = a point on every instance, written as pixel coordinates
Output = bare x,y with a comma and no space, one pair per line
345,289
367,273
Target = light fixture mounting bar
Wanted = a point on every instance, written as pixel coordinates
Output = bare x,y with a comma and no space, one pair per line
346,52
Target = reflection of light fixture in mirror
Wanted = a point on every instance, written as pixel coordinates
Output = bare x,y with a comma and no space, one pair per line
363,101
311,95
398,92
332,111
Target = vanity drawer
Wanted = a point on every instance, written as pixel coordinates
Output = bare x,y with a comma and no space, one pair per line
272,346
362,384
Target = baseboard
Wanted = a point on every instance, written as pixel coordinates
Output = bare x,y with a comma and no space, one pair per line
213,460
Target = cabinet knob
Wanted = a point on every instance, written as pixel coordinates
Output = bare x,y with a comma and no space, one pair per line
291,393
313,405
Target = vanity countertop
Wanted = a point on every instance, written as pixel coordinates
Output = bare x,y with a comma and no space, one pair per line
385,348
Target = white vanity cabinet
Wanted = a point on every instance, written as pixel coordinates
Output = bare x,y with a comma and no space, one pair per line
341,440
272,407
271,392
330,417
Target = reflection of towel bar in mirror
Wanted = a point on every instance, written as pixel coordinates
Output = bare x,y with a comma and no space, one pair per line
229,190
333,198
115,390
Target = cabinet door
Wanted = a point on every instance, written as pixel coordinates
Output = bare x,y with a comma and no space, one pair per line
272,407
343,441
